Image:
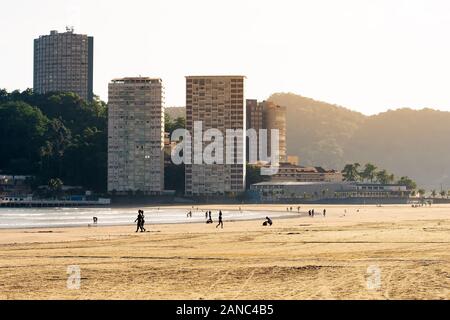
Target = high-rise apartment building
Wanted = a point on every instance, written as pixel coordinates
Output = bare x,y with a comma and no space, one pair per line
136,135
218,103
64,62
267,115
274,117
254,114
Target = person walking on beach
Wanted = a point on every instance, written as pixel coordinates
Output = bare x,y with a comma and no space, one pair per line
309,213
324,213
206,215
312,212
139,221
142,221
220,220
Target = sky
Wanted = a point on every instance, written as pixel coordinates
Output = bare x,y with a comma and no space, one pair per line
367,55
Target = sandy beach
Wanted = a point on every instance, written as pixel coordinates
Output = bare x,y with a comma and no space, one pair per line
355,252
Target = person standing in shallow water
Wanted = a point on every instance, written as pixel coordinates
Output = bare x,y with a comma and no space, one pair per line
220,220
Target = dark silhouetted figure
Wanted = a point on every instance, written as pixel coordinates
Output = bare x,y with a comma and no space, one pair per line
140,221
220,220
324,212
268,222
95,220
143,221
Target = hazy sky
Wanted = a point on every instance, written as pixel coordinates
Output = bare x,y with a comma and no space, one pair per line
368,55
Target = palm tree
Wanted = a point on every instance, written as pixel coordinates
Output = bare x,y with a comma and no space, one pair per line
409,183
369,172
55,186
433,193
351,172
382,177
443,193
391,178
421,192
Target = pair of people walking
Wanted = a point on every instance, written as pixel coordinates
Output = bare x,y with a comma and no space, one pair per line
140,221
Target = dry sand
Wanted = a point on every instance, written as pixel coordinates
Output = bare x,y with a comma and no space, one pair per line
337,257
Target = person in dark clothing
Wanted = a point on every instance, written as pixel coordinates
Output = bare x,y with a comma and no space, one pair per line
139,221
220,220
268,222
143,221
324,212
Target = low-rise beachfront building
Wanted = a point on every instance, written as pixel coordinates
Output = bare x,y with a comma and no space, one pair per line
273,191
15,185
374,190
295,173
278,191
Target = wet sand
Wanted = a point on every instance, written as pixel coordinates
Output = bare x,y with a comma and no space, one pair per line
392,252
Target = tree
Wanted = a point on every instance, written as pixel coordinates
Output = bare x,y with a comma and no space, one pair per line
254,175
22,130
421,192
433,193
443,194
391,178
171,125
383,177
351,172
55,186
54,135
369,172
406,181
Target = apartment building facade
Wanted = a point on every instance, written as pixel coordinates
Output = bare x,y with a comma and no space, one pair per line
267,115
218,103
64,62
136,135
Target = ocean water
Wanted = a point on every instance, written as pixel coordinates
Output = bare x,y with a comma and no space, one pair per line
79,217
